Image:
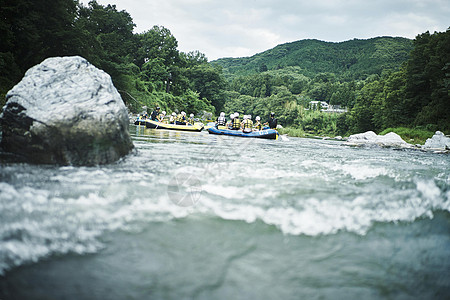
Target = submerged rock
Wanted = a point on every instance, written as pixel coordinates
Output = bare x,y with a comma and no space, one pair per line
389,140
437,142
65,111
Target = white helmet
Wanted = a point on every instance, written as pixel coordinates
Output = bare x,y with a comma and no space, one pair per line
164,112
249,116
191,115
222,114
232,116
174,114
257,118
236,114
183,113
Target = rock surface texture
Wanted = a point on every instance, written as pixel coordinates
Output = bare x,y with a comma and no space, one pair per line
65,111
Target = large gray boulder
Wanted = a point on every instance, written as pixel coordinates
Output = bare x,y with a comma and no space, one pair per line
65,111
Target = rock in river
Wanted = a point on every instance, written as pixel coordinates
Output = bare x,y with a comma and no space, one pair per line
371,138
65,111
438,142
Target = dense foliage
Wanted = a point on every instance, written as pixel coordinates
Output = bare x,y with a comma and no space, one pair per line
383,82
146,68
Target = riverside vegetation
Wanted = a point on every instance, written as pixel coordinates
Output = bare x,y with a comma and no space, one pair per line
386,84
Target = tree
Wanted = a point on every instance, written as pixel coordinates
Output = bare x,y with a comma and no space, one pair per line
155,71
262,68
344,94
394,100
110,34
427,80
418,87
207,80
193,58
34,30
365,114
157,42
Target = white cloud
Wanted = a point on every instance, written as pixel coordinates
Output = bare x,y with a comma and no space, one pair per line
290,19
242,28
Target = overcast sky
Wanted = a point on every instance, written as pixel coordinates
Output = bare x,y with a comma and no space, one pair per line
237,28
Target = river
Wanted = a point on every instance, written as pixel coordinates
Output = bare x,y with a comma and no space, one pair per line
199,216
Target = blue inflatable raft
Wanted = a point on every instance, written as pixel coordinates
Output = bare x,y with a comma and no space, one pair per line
262,134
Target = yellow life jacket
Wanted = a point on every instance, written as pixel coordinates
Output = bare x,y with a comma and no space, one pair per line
258,125
180,118
247,123
236,124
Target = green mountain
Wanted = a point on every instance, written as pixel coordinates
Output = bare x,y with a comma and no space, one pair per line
349,60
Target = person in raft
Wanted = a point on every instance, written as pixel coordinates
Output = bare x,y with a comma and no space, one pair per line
181,119
173,118
247,124
191,119
272,121
257,125
161,116
236,122
229,123
221,120
144,115
155,114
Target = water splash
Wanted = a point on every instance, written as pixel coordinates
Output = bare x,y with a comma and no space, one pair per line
301,187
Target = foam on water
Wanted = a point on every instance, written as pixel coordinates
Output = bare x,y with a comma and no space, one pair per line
314,216
301,188
359,172
37,223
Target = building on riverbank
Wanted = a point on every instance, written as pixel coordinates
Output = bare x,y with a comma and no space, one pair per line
325,107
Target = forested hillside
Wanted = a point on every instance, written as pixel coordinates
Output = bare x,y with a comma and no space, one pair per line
349,60
383,83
